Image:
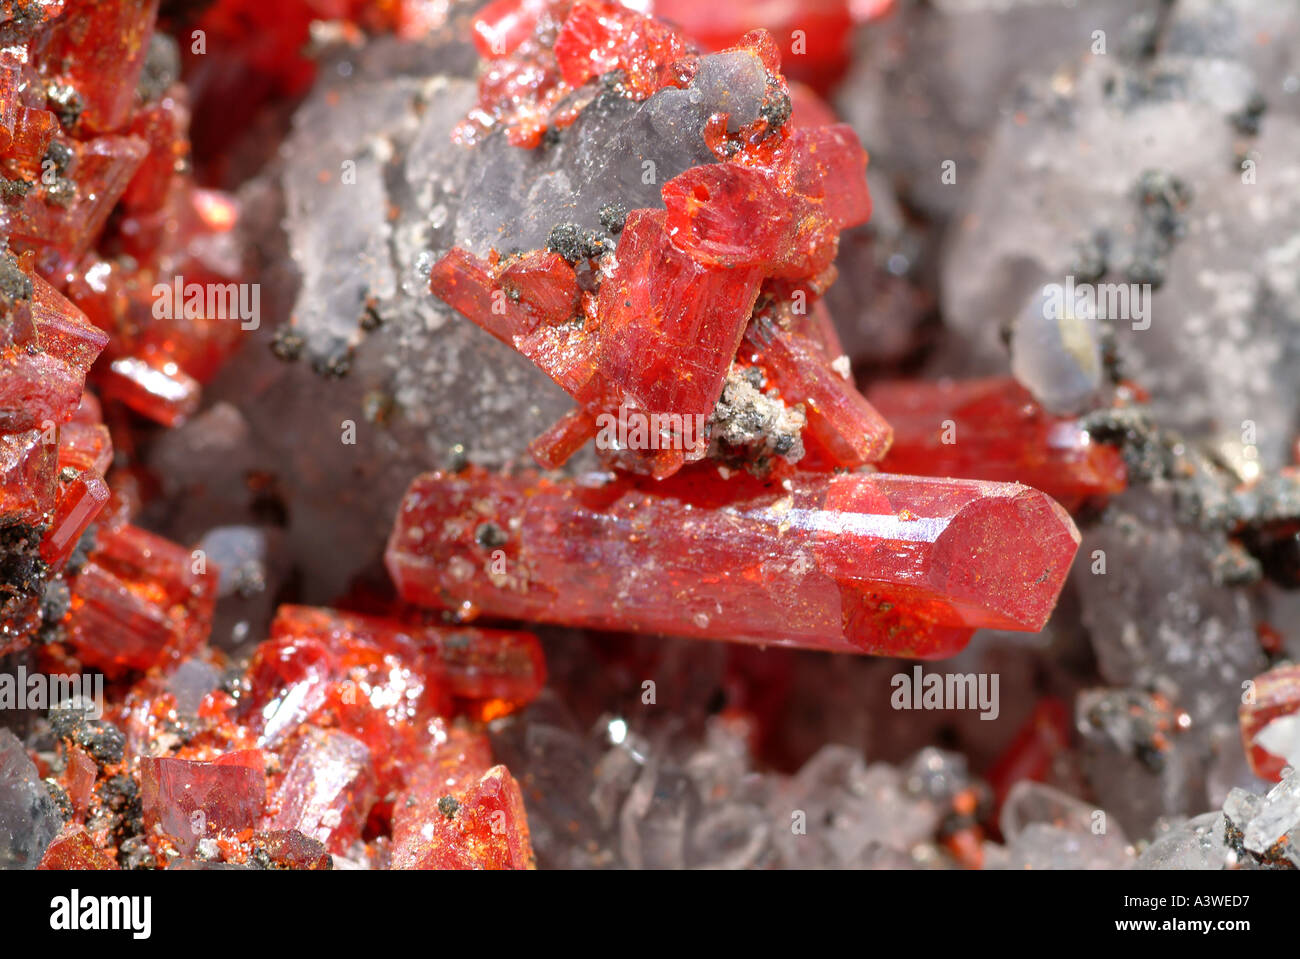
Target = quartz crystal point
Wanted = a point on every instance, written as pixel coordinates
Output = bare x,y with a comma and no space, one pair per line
992,429
29,820
869,563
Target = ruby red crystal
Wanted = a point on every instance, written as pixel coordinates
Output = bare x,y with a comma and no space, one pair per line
327,790
870,563
74,848
815,34
1270,722
480,824
601,35
992,429
382,681
101,48
28,467
188,801
844,427
138,602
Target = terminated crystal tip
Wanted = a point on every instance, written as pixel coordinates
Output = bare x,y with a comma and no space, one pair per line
888,565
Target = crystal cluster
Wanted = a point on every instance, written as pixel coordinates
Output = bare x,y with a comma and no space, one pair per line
654,244
121,282
297,298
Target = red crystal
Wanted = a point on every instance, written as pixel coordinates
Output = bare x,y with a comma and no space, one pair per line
657,339
101,48
80,501
190,800
383,682
479,824
814,34
993,430
601,35
138,602
845,429
74,848
28,466
1270,722
327,790
1033,750
870,563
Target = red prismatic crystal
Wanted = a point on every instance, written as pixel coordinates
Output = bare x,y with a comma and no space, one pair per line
78,778
159,390
890,565
655,341
328,789
814,35
334,679
383,681
601,35
480,825
669,325
845,428
61,234
74,848
993,430
138,602
189,800
80,500
28,468
1270,722
100,47
41,382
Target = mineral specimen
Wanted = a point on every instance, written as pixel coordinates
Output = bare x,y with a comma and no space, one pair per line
854,562
235,236
647,325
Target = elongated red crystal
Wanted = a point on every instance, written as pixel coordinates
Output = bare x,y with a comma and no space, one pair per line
139,602
845,428
992,429
890,565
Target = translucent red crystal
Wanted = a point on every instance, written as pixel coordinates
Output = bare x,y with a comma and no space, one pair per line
382,682
1270,722
188,801
993,430
814,34
74,848
460,819
856,562
138,602
327,790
